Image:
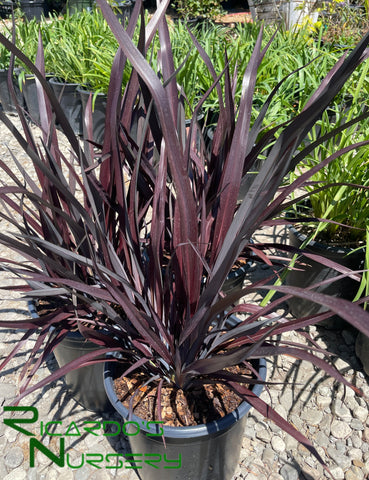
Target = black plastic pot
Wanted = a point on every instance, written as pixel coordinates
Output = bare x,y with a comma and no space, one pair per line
85,383
123,10
6,100
79,5
207,452
6,7
236,278
30,97
98,115
33,9
315,272
70,101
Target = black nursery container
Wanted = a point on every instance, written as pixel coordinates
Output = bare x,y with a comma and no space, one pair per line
205,452
30,97
123,10
98,115
6,7
6,100
70,101
33,9
316,272
86,383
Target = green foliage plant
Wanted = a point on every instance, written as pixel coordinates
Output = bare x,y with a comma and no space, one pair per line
344,206
209,9
343,22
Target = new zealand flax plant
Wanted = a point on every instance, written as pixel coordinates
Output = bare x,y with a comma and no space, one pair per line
137,236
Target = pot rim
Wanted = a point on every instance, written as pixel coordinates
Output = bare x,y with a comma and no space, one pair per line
58,81
343,248
340,249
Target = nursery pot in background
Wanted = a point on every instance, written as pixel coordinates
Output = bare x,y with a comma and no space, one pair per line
70,101
205,452
5,97
122,10
86,383
79,5
6,7
315,272
30,97
98,115
268,11
33,9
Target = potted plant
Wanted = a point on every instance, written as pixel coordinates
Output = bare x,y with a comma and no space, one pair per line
137,241
33,9
196,10
75,6
82,48
340,211
26,35
5,96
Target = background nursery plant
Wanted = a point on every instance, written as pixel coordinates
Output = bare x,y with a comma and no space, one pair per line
137,240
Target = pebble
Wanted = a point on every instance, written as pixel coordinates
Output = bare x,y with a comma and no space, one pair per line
322,439
341,411
323,402
336,422
312,417
14,457
354,473
356,424
16,474
355,454
361,413
340,429
339,458
8,391
263,435
269,456
278,444
337,473
289,472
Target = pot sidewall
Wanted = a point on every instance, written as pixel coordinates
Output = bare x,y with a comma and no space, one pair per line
84,383
98,115
5,96
70,101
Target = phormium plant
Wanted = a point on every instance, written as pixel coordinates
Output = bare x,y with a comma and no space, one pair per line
138,239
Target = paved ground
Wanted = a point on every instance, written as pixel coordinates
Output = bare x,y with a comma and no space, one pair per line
337,424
